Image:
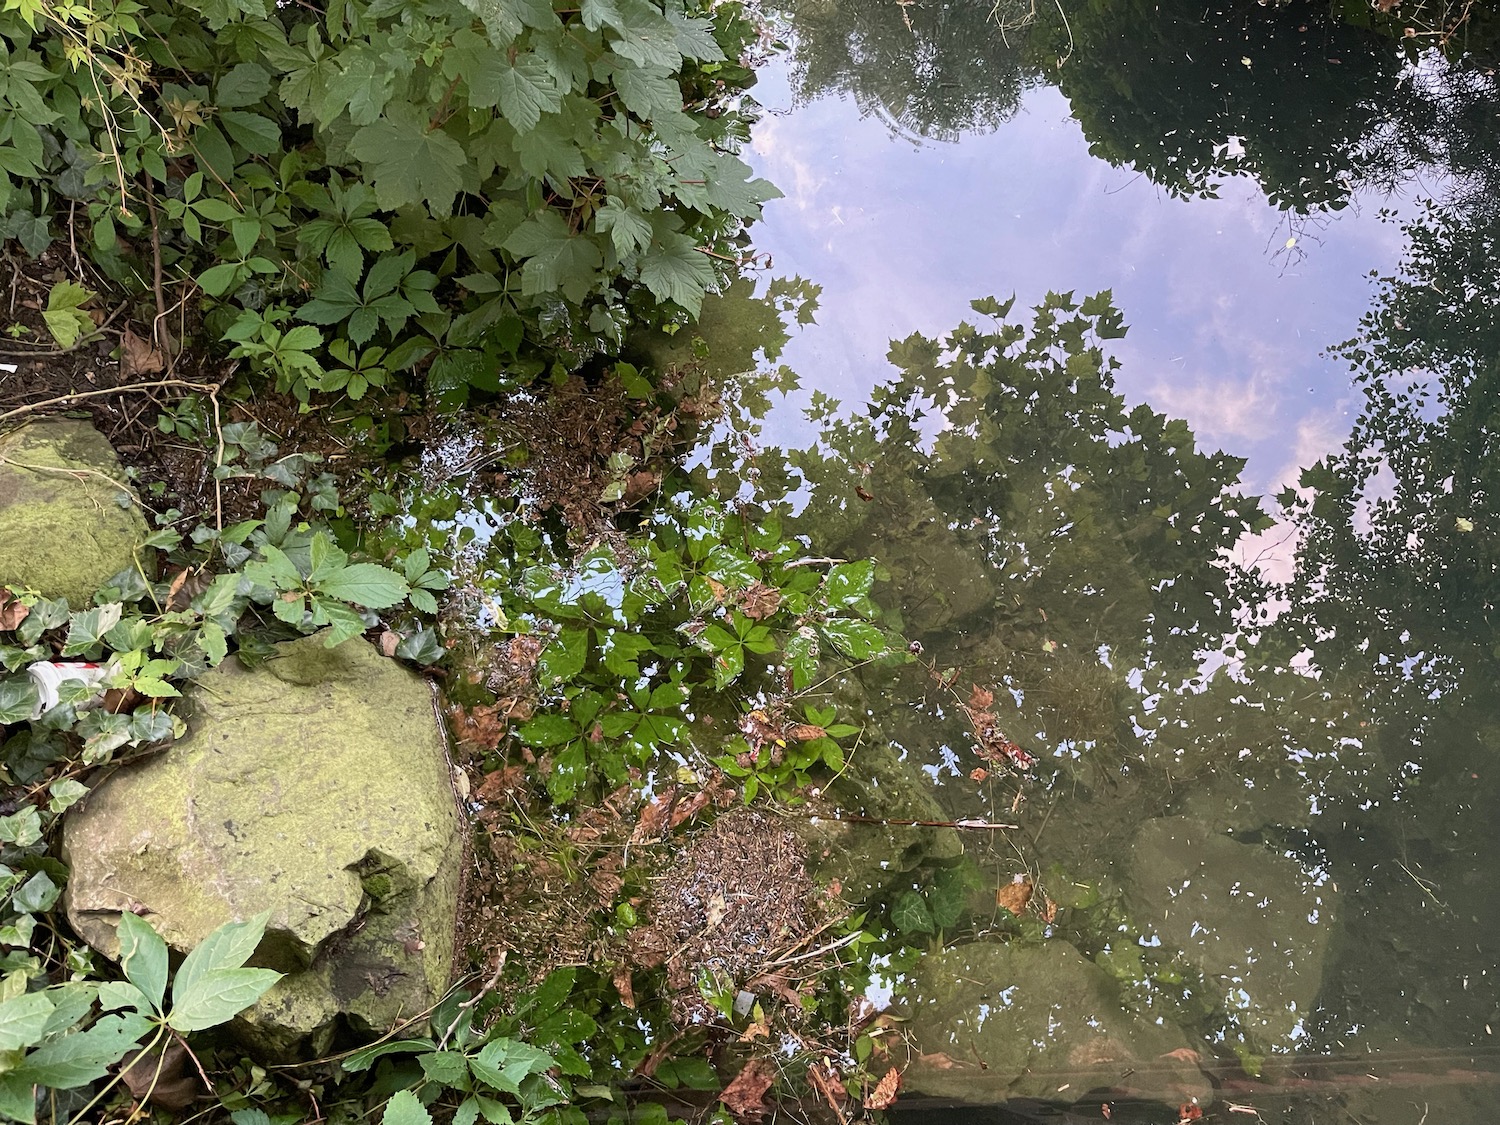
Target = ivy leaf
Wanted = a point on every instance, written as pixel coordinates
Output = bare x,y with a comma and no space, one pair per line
910,915
555,258
408,163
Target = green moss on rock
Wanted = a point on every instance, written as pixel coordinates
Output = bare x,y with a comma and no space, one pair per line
304,787
67,523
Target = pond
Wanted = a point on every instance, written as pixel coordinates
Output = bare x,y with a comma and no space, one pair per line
1254,863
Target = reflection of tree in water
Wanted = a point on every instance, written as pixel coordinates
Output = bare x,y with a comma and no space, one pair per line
1070,551
928,69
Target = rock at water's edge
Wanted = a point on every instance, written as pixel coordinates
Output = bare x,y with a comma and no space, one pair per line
66,523
316,786
991,1021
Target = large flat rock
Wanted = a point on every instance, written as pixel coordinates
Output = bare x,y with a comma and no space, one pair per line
994,1020
315,786
68,523
1251,920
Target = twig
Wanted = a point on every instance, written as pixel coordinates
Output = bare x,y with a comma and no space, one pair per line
161,299
34,407
902,822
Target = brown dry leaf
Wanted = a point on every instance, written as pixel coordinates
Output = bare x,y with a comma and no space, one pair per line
1015,896
501,784
863,493
758,729
760,601
980,698
1049,910
805,732
686,810
939,1061
1183,1054
978,773
482,726
655,817
745,1097
624,986
164,1078
825,1080
758,1029
886,1091
387,644
186,585
717,588
12,612
1187,1111
138,357
639,485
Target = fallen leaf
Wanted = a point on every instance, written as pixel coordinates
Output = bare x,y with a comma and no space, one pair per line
481,726
863,493
623,985
745,1097
138,357
164,1078
939,1061
805,732
387,643
980,698
1184,1054
639,485
12,612
686,810
655,817
500,784
978,773
760,601
1187,1111
1105,1111
1015,896
186,585
1049,910
886,1091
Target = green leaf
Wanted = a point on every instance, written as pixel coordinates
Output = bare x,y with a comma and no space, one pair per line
217,996
245,84
257,133
405,1109
366,1056
78,1059
556,259
548,730
909,915
506,19
143,956
22,1020
674,270
848,582
626,227
409,164
645,37
525,90
564,658
228,947
366,584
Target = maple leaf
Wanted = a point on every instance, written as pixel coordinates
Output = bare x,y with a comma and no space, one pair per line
408,163
505,19
555,258
673,269
524,89
649,92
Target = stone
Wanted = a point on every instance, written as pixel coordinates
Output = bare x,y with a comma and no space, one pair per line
315,786
990,1021
1251,920
867,858
68,523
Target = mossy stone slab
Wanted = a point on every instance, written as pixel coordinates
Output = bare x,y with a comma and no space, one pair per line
315,786
68,523
991,1021
1249,918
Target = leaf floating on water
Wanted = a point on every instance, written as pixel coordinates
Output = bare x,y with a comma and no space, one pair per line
1015,896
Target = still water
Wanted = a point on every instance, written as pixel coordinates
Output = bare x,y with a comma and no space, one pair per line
1255,863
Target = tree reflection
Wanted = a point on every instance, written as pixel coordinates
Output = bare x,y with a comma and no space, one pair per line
928,70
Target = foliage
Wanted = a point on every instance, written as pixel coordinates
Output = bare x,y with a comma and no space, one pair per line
933,71
443,186
55,1038
645,638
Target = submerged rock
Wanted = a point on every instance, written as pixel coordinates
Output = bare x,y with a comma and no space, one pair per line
315,786
991,1021
67,522
1251,920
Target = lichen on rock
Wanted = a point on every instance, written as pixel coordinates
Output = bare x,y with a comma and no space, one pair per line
315,786
68,522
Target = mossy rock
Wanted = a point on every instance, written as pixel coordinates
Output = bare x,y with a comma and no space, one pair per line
992,1021
68,523
315,786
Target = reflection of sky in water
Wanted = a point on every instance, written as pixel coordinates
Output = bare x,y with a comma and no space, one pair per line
1226,323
